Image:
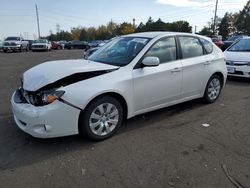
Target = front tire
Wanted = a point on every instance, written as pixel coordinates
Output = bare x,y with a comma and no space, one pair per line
101,119
213,89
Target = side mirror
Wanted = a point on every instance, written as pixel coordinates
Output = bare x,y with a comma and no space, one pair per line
151,61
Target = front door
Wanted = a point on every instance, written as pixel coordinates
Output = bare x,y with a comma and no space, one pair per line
156,86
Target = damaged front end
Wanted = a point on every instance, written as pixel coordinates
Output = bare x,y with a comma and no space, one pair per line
51,92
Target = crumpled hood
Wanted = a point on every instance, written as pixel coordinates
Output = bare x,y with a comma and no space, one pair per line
49,72
237,56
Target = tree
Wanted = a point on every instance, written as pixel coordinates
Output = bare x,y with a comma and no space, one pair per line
207,31
102,33
140,28
180,26
83,35
149,24
159,25
243,20
125,28
112,29
226,27
76,32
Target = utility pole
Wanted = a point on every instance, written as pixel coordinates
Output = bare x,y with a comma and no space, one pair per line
37,19
215,16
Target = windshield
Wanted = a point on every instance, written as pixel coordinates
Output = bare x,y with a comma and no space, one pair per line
233,38
40,41
120,51
12,38
242,45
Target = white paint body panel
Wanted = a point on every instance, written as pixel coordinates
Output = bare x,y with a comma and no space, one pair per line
143,89
45,73
240,58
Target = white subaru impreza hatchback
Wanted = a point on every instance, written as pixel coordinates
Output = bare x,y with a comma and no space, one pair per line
130,75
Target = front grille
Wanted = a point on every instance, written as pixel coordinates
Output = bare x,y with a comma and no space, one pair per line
38,46
10,44
237,63
238,73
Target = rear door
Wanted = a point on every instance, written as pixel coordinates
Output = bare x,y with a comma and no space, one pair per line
195,65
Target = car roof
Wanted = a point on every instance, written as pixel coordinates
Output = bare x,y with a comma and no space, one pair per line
155,34
159,33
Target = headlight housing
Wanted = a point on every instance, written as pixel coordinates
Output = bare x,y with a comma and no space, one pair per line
43,97
51,96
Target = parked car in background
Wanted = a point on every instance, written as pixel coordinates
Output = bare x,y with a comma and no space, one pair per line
230,41
15,44
30,42
89,52
62,43
95,43
238,58
217,41
1,45
56,45
41,45
130,75
77,45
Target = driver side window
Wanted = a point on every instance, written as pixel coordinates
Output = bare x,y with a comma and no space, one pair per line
164,49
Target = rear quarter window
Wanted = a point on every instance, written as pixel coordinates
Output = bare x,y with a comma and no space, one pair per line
191,47
207,45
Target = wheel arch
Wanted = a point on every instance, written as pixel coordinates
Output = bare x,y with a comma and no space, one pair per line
115,95
220,74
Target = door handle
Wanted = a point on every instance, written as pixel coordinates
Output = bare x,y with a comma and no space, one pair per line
207,63
177,69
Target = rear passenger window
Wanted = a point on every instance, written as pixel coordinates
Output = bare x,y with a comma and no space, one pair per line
191,47
164,49
207,45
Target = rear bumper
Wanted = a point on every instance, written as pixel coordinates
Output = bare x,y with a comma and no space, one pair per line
53,120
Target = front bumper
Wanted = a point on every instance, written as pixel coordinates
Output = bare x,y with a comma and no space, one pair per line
11,47
53,120
39,49
239,71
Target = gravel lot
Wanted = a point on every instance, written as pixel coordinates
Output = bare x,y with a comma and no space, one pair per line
165,148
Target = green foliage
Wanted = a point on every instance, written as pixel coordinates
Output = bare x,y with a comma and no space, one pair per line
112,29
225,27
242,23
231,24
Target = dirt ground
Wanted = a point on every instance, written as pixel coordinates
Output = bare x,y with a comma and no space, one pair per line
165,148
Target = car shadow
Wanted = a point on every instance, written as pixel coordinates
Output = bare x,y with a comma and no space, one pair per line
238,80
20,149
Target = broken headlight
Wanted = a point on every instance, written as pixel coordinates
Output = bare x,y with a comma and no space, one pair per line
50,97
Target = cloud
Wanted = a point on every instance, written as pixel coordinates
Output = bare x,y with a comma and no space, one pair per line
184,3
223,4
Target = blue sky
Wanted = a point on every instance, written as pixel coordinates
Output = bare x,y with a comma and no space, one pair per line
17,17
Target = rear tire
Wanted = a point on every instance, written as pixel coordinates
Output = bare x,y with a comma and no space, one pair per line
213,89
21,49
101,119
